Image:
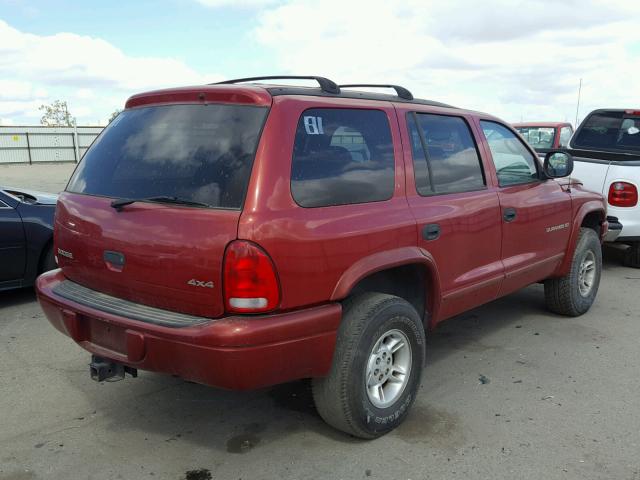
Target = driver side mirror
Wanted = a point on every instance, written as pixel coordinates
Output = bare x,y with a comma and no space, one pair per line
558,164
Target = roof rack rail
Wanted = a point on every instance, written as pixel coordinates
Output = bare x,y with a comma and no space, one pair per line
400,91
326,85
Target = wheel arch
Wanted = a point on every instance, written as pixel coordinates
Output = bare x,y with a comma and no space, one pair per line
590,215
408,272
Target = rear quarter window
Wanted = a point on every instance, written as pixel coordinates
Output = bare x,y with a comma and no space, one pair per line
342,156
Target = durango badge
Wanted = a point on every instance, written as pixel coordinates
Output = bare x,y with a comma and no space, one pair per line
557,227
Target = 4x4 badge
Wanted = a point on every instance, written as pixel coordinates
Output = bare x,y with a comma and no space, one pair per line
200,283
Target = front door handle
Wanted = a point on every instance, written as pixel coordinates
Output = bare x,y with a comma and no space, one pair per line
431,231
509,214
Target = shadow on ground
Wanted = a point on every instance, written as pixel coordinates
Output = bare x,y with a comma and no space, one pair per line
15,298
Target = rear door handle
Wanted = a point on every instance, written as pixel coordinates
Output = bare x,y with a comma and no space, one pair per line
509,214
431,231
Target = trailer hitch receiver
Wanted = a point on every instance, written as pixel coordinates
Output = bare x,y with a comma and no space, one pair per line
103,369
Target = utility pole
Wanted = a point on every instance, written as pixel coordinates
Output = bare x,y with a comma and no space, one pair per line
578,105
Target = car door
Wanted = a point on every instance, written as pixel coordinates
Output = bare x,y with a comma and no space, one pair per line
12,242
457,213
536,212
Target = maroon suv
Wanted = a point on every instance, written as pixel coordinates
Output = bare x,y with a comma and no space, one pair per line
243,235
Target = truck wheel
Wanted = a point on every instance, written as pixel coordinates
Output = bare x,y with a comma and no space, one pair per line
377,366
632,255
574,294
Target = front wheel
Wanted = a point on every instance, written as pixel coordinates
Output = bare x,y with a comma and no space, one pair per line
376,369
573,294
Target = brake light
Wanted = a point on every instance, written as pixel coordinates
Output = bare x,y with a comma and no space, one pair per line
250,279
632,112
623,194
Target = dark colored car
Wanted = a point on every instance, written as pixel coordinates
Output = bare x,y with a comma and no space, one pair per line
247,235
545,136
26,236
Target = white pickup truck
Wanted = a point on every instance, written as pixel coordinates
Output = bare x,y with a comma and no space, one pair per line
606,152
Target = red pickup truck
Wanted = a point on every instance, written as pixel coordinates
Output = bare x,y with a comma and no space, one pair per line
545,136
243,235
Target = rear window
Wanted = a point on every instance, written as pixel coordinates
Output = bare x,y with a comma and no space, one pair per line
609,130
342,156
201,153
538,137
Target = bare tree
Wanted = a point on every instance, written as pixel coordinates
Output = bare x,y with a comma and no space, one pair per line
57,115
114,115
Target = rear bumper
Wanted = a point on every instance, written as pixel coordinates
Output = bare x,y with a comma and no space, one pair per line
232,352
614,230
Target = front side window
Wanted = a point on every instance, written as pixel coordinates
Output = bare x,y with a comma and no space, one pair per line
200,153
565,135
514,163
445,158
342,156
538,137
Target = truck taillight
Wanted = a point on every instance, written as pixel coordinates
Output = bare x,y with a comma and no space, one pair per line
623,194
250,279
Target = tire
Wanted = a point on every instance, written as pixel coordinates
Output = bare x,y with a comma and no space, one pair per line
342,398
570,295
632,255
48,261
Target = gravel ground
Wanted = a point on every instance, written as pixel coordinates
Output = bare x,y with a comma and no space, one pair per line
510,392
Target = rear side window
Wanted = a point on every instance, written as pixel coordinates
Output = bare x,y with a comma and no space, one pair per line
200,153
342,156
445,158
609,130
514,163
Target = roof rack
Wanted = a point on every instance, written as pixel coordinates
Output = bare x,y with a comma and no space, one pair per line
326,85
400,91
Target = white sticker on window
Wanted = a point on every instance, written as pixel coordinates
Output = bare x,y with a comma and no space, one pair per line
313,125
633,130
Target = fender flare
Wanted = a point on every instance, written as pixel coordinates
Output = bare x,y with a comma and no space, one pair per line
389,259
583,211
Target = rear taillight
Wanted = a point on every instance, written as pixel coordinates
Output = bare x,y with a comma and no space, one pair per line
250,280
623,194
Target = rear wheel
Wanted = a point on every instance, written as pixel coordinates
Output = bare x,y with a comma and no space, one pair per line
574,294
632,255
376,369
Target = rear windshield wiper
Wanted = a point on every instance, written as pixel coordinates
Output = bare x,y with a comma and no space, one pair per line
118,204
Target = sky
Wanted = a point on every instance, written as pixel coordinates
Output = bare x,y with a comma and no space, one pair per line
519,60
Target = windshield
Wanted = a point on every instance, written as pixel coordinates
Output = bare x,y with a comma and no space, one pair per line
198,153
610,130
538,137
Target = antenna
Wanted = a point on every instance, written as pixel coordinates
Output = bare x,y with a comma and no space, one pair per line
578,105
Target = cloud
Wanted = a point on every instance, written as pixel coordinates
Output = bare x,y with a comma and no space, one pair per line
510,58
70,67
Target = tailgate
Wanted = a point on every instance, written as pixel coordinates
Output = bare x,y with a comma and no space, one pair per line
172,256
